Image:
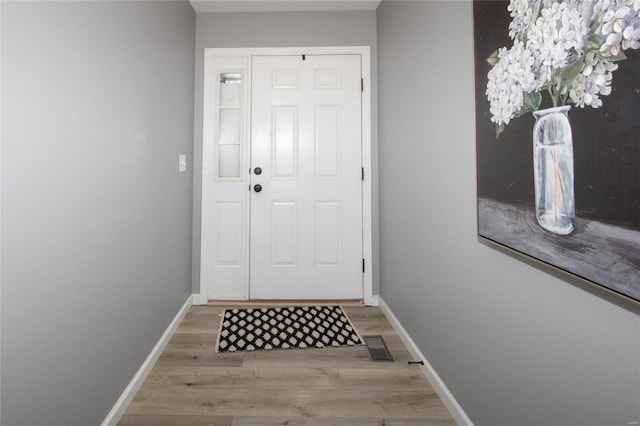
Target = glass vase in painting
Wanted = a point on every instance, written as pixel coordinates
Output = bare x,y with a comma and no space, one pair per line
553,170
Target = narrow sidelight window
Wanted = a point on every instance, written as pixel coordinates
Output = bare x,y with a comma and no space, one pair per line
229,125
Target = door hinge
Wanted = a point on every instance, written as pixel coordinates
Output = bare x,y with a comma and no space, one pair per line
304,57
363,266
363,173
362,84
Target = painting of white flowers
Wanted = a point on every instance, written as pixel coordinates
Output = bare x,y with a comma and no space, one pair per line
558,134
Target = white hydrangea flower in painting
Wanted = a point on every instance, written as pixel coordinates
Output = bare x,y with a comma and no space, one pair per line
522,13
521,63
595,80
556,34
620,28
600,7
612,44
572,31
508,80
566,48
502,91
631,30
613,20
631,37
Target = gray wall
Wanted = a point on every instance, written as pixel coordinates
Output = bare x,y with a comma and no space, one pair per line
515,343
281,29
96,220
0,214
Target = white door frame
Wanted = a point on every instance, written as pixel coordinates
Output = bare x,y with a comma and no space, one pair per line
207,247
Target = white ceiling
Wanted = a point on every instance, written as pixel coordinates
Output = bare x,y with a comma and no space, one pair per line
209,6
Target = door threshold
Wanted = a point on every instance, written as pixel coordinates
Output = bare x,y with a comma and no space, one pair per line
288,302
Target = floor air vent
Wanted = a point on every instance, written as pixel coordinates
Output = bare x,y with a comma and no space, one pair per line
377,349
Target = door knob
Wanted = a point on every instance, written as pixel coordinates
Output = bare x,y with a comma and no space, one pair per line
257,171
257,187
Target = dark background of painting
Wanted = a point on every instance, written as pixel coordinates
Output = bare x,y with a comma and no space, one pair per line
606,140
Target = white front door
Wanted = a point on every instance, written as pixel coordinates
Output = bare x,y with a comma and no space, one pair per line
306,178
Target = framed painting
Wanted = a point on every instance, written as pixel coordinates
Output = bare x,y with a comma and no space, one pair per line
558,134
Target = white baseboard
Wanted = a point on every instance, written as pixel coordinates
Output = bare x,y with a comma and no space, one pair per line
375,300
130,391
199,299
436,382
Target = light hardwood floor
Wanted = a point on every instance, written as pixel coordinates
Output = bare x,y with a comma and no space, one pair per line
192,385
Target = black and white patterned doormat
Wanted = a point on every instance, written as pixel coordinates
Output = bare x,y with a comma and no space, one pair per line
294,327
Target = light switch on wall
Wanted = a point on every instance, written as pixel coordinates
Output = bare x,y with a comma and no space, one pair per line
183,163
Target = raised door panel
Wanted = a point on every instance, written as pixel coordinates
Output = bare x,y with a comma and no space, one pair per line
285,142
284,233
327,141
230,227
328,235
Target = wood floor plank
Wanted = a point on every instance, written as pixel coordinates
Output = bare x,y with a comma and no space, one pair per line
407,379
170,420
329,357
194,347
192,338
190,384
198,358
199,325
317,358
381,327
239,378
296,403
335,421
